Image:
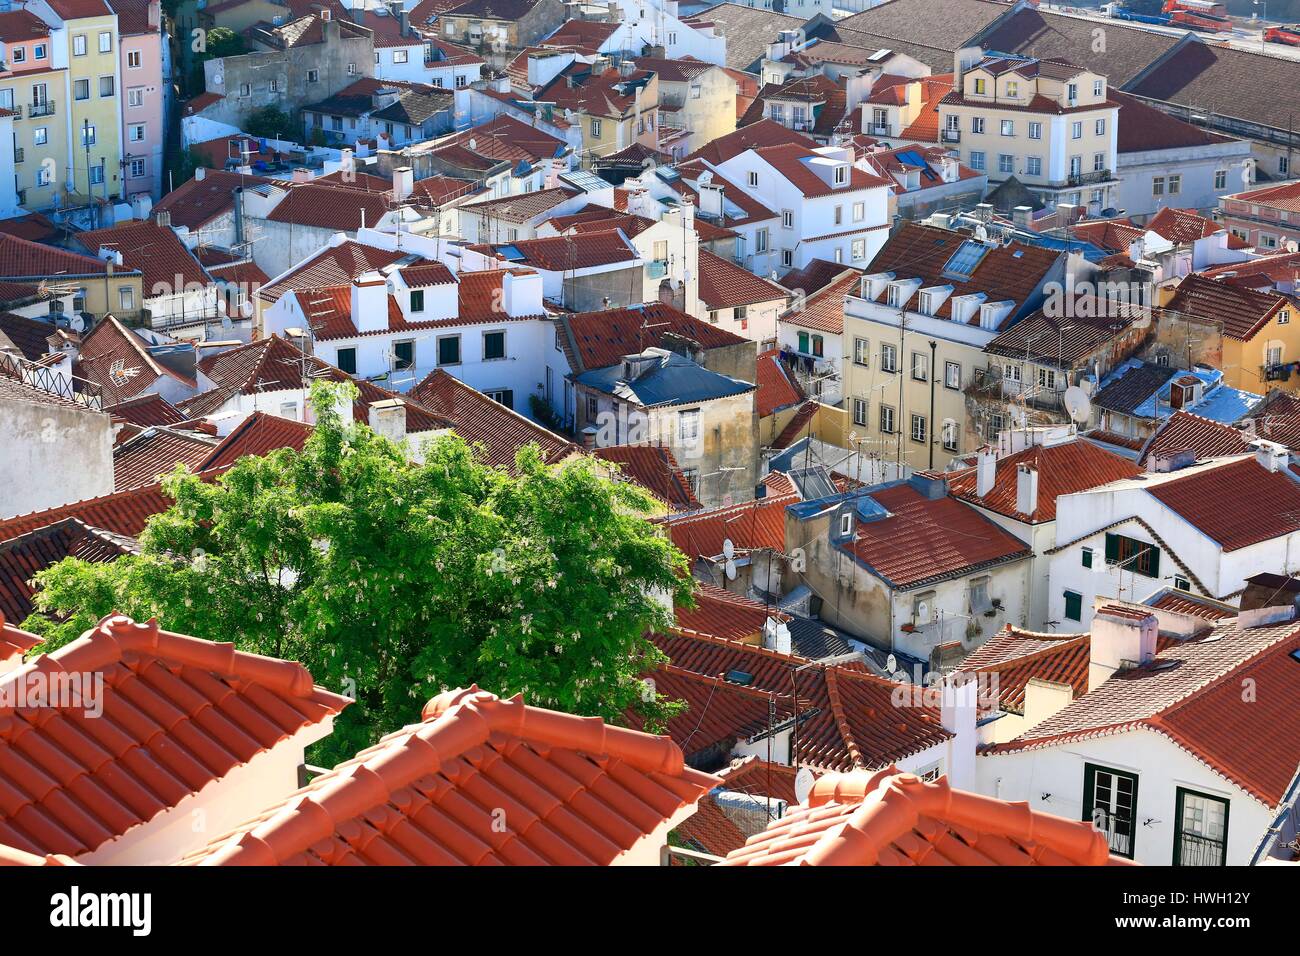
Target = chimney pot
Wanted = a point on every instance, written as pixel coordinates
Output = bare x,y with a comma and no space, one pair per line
986,470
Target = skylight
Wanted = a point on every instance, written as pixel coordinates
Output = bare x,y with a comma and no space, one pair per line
965,260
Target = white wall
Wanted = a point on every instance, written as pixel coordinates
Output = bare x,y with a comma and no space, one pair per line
51,454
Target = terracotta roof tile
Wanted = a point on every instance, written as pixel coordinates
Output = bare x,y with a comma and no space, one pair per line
1063,469
720,613
754,525
23,556
776,388
22,259
725,285
924,539
14,643
763,133
331,207
1184,431
1236,504
797,426
576,791
154,452
75,783
118,360
166,265
195,203
147,409
896,819
1182,602
563,253
1016,656
258,434
1240,312
333,266
121,512
655,469
823,310
601,339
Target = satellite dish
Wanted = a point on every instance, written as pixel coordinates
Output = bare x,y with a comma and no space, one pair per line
891,663
728,549
77,324
1077,404
731,570
923,611
226,324
803,784
473,143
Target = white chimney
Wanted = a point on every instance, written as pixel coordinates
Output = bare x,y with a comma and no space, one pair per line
958,709
200,174
1023,216
521,293
1026,489
403,183
986,470
1271,455
388,418
1122,637
370,302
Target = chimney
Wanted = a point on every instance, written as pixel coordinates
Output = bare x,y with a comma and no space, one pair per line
1122,638
155,14
370,302
1026,489
302,175
983,212
403,183
958,709
200,174
986,470
521,293
501,84
388,418
949,168
589,437
1023,216
1272,456
163,218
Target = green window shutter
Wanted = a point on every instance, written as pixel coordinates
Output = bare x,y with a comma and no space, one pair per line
1073,606
1112,548
803,342
1089,789
1087,557
1154,563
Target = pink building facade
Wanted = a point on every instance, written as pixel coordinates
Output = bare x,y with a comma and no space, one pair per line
143,97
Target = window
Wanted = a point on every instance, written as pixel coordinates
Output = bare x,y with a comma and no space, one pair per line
1133,555
133,60
1175,185
918,428
841,177
20,54
688,425
1076,168
861,352
1035,130
952,375
346,360
977,124
1220,179
1158,186
920,366
595,128
462,82
1008,127
502,396
449,350
888,358
289,410
1011,372
787,258
1284,165
1284,317
135,97
860,411
274,87
39,51
1006,163
977,160
593,409
40,136
106,86
1076,130
1110,803
79,45
950,436
87,135
886,420
1101,127
1034,165
993,428
859,211
760,241
696,91
859,248
1098,87
336,122
135,169
818,346
787,219
1086,557
713,316
494,346
979,595
1181,583
1072,92
1200,829
44,177
1013,89
105,42
1047,378
1098,162
417,300
313,76
979,86
399,56
81,89
126,295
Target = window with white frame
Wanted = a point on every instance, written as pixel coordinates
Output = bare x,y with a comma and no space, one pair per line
1035,130
888,358
886,420
1007,127
753,178
787,218
400,56
918,428
951,435
688,425
133,61
952,375
105,42
860,411
1034,165
861,352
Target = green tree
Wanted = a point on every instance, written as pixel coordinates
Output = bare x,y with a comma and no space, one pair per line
269,122
183,166
223,41
391,582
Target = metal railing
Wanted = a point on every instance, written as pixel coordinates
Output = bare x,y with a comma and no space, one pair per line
19,155
1197,850
950,135
879,129
1083,179
68,387
41,109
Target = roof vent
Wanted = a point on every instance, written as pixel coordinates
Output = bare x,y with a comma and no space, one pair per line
743,678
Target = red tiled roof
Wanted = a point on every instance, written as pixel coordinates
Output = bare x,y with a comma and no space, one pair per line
179,713
33,227
1181,602
897,819
144,458
776,389
336,265
1236,504
259,434
505,137
655,469
564,253
118,361
720,613
1017,655
796,427
925,128
167,266
1240,312
437,190
1186,225
725,285
14,643
1063,469
122,512
763,133
201,102
788,160
1109,235
146,410
750,526
19,25
823,310
718,830
1191,693
196,203
603,338
575,790
847,716
22,259
926,539
1184,431
331,207
499,431
815,276
22,557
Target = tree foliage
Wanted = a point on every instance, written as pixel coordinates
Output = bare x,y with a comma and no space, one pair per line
392,582
268,123
222,42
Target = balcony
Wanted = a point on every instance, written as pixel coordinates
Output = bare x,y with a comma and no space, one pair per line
1087,179
880,129
656,269
41,109
19,155
950,135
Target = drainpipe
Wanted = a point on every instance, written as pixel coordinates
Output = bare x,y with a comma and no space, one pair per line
933,372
